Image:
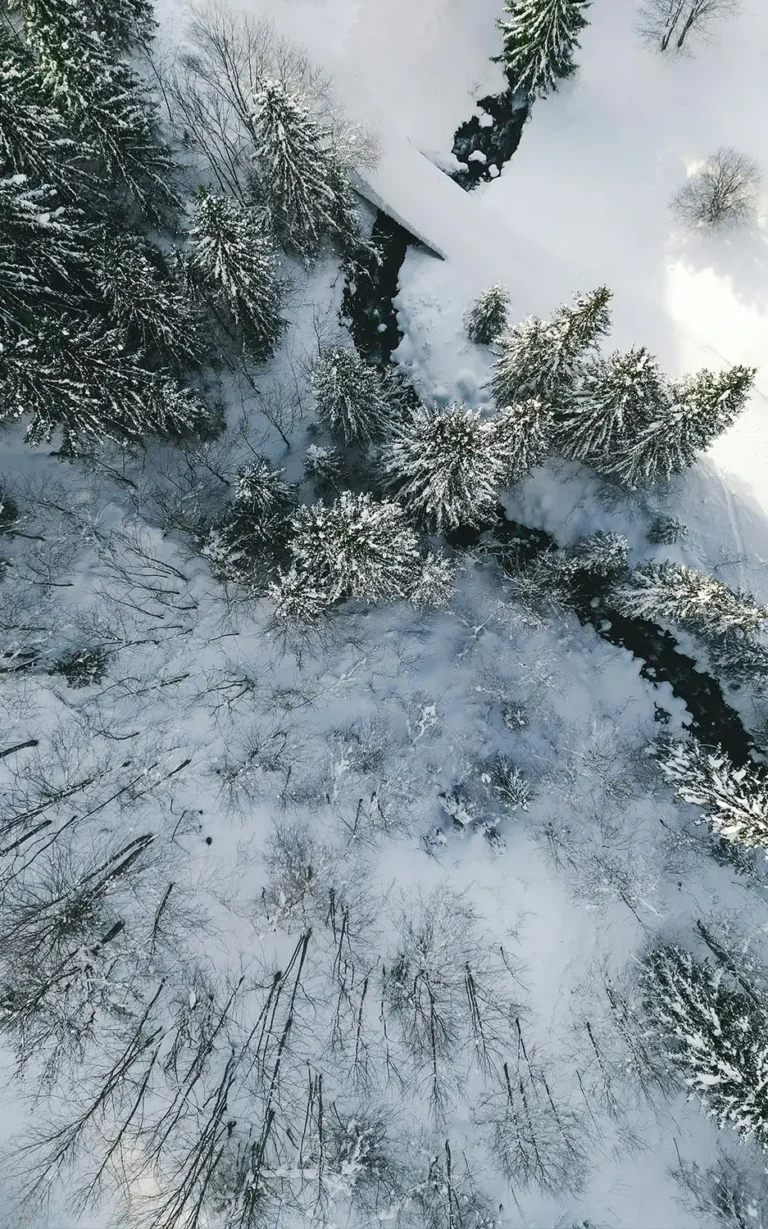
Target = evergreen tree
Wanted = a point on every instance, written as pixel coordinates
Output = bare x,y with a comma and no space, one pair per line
232,253
79,377
350,395
444,467
741,658
543,358
540,38
102,98
251,538
701,407
323,468
522,436
433,588
355,547
716,1036
34,140
43,253
696,602
733,800
123,23
299,598
145,300
666,530
297,173
487,317
616,397
603,554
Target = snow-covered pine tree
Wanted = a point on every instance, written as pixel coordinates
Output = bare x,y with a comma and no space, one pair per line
733,800
714,1034
297,173
444,467
34,140
251,537
350,395
616,397
660,589
540,39
145,300
355,547
233,255
743,659
603,554
102,98
543,358
79,377
700,408
665,530
323,467
43,254
433,588
522,437
487,317
299,598
123,23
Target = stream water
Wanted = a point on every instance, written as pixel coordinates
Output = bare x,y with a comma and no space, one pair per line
369,311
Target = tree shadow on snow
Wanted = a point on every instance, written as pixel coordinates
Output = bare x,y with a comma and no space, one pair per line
738,256
728,529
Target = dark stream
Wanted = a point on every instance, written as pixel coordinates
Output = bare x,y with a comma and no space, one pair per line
491,144
370,314
712,718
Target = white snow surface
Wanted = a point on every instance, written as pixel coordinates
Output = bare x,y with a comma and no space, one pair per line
585,201
589,873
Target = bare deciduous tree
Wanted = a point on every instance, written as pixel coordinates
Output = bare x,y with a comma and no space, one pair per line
672,24
723,192
445,989
536,1141
210,93
731,1192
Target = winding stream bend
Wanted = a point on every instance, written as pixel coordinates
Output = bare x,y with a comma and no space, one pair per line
370,313
712,719
368,309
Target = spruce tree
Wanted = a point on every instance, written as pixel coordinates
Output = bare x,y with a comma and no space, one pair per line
715,1034
251,538
43,253
297,173
122,23
603,554
544,358
102,98
145,300
700,408
487,317
433,587
734,801
444,467
323,468
232,255
77,376
522,436
540,39
350,396
355,547
616,397
34,140
659,589
744,659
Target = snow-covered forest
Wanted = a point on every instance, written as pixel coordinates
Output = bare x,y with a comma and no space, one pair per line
384,608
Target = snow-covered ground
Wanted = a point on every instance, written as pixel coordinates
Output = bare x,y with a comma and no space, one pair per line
403,707
585,201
